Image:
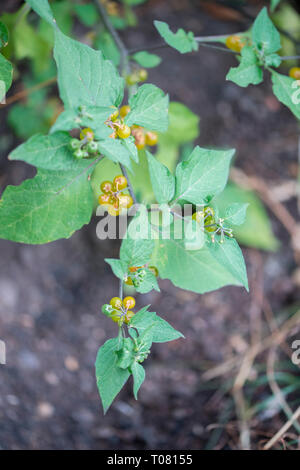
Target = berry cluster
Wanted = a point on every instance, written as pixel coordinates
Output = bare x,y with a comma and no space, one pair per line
113,197
235,43
137,274
119,128
294,72
143,138
207,217
120,311
86,147
138,75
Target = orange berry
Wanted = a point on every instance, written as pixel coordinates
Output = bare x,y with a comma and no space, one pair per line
129,281
234,43
151,138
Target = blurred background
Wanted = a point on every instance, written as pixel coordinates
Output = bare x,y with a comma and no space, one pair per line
231,383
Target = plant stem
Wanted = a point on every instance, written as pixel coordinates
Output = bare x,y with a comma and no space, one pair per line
130,188
121,46
24,93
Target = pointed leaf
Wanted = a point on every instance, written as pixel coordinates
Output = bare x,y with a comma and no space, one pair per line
163,182
139,374
181,40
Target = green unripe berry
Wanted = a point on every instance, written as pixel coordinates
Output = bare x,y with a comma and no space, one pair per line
79,153
107,309
92,147
74,144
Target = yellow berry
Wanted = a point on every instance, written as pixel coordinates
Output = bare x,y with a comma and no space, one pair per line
106,187
128,302
114,115
87,133
124,110
143,75
294,72
129,315
125,201
116,316
120,182
123,131
116,302
104,199
113,211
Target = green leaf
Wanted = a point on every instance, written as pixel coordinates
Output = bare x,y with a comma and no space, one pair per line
119,267
256,231
162,331
84,76
87,14
138,373
265,36
230,256
203,175
181,40
136,252
148,283
52,205
287,91
90,116
42,8
248,71
163,182
274,4
3,35
149,108
115,150
197,270
126,354
235,213
110,378
104,41
147,60
49,152
6,74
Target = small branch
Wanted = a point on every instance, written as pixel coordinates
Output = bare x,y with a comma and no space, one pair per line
24,93
281,431
130,188
290,57
121,289
121,46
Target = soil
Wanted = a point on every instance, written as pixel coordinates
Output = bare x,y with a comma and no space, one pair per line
50,296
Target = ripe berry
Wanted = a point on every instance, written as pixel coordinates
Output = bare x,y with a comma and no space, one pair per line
198,216
106,187
125,201
129,315
79,153
151,138
154,270
294,72
113,211
104,199
133,269
87,133
129,281
143,75
120,182
128,303
114,115
116,316
139,136
123,131
234,43
124,110
116,302
74,144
